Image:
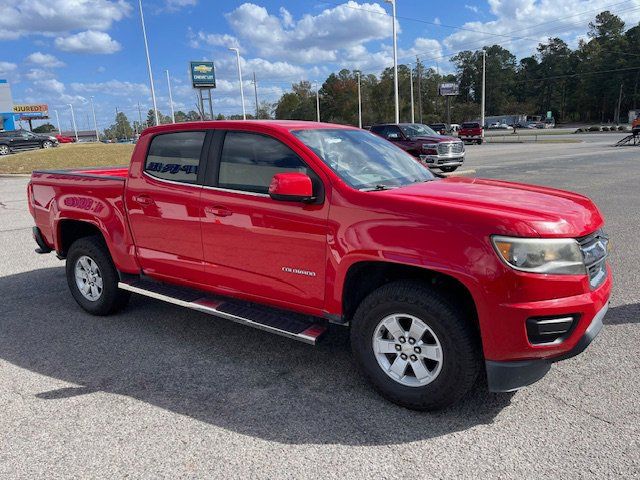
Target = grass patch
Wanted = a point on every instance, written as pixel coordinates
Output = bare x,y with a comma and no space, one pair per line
67,156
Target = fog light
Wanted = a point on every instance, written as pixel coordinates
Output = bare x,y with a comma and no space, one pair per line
550,329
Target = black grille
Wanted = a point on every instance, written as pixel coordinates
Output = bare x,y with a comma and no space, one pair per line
595,249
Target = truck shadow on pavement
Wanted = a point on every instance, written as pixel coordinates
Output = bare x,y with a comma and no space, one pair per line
215,371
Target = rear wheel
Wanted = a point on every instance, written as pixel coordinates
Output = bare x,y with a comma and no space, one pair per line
92,277
417,350
4,150
448,169
480,142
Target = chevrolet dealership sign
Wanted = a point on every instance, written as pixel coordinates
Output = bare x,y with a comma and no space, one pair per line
203,75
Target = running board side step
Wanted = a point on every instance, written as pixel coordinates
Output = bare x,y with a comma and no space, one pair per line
297,326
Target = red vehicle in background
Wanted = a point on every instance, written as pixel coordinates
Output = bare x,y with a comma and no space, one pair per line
65,139
287,226
471,132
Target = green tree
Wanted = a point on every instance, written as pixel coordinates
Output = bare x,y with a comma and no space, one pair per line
45,128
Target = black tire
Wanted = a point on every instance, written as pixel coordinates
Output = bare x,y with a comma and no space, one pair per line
47,144
449,169
111,298
461,352
5,150
479,142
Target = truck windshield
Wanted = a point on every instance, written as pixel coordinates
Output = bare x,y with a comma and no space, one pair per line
364,160
416,130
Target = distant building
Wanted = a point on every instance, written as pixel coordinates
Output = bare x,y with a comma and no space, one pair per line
83,135
7,116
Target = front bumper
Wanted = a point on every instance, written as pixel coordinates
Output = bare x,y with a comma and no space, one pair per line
437,161
507,376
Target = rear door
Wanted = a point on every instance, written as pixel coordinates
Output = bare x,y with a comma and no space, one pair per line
255,246
163,204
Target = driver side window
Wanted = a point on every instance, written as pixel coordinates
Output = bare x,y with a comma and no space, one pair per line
393,133
250,160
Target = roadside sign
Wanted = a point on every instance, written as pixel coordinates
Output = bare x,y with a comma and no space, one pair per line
549,114
203,75
27,111
447,89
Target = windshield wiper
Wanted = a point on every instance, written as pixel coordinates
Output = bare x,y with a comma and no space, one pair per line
377,188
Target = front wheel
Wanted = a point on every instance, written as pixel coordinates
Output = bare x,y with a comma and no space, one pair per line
448,169
47,144
92,277
418,350
4,150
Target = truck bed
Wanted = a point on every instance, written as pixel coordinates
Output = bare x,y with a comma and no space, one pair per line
91,195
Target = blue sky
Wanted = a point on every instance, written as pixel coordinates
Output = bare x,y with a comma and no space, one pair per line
64,51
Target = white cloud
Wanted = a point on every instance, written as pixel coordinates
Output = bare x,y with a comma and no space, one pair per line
533,21
44,60
53,91
89,41
473,8
112,87
199,39
7,67
38,74
173,5
312,38
49,17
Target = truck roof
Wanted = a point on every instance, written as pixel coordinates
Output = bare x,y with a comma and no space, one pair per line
281,125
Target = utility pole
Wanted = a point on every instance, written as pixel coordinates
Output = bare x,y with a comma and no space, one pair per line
317,103
233,49
58,122
146,48
359,102
484,64
619,105
395,60
173,113
139,115
413,117
73,120
419,69
95,123
255,92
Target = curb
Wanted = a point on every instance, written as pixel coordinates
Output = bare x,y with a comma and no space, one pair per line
14,175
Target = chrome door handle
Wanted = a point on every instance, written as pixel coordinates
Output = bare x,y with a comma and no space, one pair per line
218,211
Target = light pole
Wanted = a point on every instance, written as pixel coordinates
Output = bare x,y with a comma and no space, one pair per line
146,49
73,119
317,103
58,122
233,49
173,114
395,60
255,92
95,123
484,62
359,102
413,117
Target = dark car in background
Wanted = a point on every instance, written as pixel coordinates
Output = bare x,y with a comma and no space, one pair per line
11,141
439,128
432,149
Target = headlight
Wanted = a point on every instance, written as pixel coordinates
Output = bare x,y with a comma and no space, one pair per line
539,255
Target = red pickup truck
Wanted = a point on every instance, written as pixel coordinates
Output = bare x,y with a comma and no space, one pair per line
470,132
288,226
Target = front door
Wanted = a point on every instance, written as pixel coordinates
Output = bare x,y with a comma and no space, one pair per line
254,246
163,204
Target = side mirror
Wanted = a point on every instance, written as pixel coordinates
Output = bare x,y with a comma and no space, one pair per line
291,187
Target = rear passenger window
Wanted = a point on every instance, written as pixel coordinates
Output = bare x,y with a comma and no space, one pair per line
175,156
250,160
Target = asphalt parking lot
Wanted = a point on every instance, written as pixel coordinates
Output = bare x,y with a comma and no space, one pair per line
161,392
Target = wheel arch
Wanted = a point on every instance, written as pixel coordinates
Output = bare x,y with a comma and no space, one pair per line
364,277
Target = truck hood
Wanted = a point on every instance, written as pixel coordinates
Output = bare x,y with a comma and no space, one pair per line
434,139
548,212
